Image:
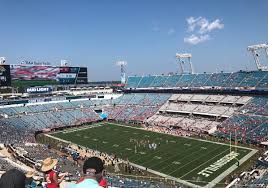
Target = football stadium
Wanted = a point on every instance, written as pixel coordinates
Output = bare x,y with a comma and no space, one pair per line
60,128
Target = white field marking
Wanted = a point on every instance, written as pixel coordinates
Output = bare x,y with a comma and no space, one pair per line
115,145
157,157
104,142
94,139
173,141
229,170
150,154
77,135
203,148
126,131
157,151
197,151
142,153
135,133
175,155
197,159
188,144
191,138
202,164
129,149
78,129
147,136
176,162
188,184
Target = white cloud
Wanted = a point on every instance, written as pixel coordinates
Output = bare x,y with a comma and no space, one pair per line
192,23
195,39
171,31
203,25
200,28
207,27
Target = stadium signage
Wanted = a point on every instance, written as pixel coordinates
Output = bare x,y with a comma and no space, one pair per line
38,90
218,164
34,63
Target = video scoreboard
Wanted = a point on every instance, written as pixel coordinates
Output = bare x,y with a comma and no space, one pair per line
61,75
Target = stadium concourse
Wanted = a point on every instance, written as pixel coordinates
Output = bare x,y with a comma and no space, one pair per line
159,104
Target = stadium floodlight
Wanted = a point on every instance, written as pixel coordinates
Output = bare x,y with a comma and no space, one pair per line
183,55
181,58
254,50
122,65
63,62
2,60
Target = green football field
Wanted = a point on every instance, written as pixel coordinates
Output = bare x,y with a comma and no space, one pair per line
189,161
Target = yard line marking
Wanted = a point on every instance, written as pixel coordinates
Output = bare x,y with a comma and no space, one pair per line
176,155
142,153
152,153
78,129
181,158
176,162
195,160
204,163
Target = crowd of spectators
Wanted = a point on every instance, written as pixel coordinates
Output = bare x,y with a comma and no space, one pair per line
237,79
249,124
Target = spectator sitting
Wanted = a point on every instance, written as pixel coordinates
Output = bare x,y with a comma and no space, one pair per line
51,177
13,179
30,182
93,170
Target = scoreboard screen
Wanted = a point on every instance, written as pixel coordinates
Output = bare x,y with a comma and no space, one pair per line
62,75
26,72
73,75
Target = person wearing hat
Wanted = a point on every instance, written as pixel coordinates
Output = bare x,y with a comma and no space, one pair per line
93,170
51,177
30,182
13,179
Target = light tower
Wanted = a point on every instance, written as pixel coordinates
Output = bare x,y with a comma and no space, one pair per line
2,60
254,49
63,63
185,58
122,65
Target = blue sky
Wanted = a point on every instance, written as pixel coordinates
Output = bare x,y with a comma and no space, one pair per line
146,34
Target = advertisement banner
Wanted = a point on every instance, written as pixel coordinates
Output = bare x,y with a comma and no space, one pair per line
38,90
